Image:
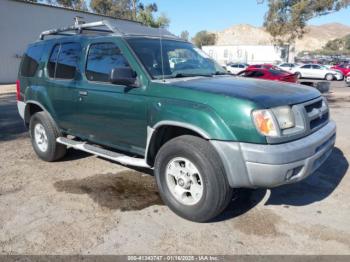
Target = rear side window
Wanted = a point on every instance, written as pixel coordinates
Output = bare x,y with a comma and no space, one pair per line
102,58
63,61
31,61
306,66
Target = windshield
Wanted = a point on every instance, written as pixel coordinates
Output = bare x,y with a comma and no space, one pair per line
179,59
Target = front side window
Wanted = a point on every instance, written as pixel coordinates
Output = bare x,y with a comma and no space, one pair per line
31,60
102,58
276,72
172,59
63,61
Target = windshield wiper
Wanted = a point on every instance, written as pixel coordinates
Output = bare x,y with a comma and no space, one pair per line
180,75
218,73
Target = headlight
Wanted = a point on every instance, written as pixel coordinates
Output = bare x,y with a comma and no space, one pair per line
265,122
269,121
284,116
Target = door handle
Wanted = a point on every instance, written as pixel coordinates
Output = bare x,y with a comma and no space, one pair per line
83,93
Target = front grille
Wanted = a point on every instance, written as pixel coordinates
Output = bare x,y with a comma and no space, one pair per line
312,106
319,121
317,113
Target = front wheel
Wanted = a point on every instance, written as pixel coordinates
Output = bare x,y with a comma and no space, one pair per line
191,178
329,77
298,75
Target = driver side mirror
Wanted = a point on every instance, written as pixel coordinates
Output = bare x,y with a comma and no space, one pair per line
123,76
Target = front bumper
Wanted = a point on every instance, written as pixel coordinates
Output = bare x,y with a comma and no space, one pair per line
256,165
339,76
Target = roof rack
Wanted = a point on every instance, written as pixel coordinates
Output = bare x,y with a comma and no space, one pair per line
118,27
79,27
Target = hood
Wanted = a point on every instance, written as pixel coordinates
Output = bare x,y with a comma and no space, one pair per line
262,92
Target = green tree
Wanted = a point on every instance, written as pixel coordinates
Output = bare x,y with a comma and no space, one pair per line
286,20
75,4
204,38
146,16
347,42
115,8
185,35
130,9
335,45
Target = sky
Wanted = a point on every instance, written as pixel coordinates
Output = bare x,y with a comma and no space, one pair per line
217,15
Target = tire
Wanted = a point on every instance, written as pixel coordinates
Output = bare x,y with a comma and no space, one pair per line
329,77
298,75
42,129
216,192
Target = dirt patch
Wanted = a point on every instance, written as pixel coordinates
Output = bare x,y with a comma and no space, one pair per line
126,190
262,222
7,191
338,101
327,234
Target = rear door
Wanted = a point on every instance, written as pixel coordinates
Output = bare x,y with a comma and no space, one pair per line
110,114
63,72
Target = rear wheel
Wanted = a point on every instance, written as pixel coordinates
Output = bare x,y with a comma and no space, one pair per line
43,133
329,77
191,178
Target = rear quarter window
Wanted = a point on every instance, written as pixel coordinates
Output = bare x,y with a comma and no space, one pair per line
31,60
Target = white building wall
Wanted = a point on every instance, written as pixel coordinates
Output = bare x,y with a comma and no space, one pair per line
21,23
251,54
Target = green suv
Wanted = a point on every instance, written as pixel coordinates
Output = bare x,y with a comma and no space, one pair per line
143,97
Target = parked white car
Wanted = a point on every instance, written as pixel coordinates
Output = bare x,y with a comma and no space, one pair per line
318,72
235,68
288,66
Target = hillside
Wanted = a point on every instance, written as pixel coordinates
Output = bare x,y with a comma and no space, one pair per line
315,38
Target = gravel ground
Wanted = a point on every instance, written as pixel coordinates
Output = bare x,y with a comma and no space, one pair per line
87,205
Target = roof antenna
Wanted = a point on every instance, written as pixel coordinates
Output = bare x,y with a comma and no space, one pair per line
77,20
161,52
77,23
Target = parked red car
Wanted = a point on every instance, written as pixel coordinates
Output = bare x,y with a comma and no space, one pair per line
263,66
272,73
344,68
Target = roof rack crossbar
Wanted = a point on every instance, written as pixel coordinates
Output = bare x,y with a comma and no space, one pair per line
78,28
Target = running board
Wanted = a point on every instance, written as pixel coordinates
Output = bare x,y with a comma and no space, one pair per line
120,158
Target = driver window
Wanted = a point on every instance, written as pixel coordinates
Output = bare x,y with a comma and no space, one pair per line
102,58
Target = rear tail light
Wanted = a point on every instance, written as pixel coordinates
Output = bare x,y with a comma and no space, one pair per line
18,91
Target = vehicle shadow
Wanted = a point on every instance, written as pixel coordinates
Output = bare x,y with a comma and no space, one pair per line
242,201
11,124
316,187
73,154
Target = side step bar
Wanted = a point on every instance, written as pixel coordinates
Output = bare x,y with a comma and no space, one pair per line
120,158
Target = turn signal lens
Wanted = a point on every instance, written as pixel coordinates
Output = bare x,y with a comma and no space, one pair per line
265,122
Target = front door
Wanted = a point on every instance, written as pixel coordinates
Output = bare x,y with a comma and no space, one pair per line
109,114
